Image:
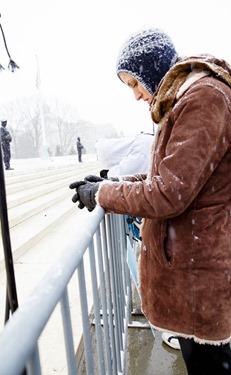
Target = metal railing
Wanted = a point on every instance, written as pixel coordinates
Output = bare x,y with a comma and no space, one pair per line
104,237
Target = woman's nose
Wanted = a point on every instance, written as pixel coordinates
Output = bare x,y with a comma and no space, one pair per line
138,95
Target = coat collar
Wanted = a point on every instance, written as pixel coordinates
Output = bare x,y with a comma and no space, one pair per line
180,77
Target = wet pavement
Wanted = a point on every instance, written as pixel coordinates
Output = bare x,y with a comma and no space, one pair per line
147,355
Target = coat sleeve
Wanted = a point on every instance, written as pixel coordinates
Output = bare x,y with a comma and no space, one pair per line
200,137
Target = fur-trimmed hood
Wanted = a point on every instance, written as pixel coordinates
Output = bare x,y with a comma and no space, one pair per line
165,96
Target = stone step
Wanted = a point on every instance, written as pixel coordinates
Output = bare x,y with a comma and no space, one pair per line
29,208
32,175
28,195
29,232
26,203
16,183
35,211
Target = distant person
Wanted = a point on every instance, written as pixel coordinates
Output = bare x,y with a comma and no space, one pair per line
79,149
5,142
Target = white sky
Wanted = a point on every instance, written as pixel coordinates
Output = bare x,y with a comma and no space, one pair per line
77,43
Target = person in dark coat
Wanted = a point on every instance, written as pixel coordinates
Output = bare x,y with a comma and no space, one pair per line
5,142
79,149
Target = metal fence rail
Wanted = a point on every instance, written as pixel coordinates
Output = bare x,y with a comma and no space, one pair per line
105,239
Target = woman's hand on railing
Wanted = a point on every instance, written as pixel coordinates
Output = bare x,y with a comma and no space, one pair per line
75,197
85,194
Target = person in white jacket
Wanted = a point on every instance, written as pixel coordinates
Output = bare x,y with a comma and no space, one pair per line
125,156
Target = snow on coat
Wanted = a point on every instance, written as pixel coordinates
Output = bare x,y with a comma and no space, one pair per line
185,266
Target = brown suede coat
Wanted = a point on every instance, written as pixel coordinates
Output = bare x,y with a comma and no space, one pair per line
185,267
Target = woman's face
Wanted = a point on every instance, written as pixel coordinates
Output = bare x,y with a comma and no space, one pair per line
138,89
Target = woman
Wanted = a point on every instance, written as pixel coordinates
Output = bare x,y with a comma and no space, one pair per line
185,199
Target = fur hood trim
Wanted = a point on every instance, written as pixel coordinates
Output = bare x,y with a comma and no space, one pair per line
165,96
195,338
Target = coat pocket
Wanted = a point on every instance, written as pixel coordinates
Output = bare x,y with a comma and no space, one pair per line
166,241
155,241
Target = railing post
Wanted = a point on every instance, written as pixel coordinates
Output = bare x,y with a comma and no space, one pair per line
85,319
108,282
96,309
69,342
104,300
33,366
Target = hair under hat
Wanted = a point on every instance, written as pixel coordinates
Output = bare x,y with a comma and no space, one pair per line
147,55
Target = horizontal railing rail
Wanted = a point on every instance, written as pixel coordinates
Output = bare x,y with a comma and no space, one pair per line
104,237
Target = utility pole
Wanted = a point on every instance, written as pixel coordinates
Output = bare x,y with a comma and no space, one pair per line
43,149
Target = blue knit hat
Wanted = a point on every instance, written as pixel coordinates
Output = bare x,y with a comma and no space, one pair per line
147,56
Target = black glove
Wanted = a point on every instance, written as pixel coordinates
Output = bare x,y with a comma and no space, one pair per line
75,185
93,178
75,197
103,173
85,194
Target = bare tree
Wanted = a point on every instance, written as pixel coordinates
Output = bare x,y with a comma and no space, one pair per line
66,120
32,116
24,120
61,127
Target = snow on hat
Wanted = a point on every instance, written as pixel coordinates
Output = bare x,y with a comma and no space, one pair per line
147,55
